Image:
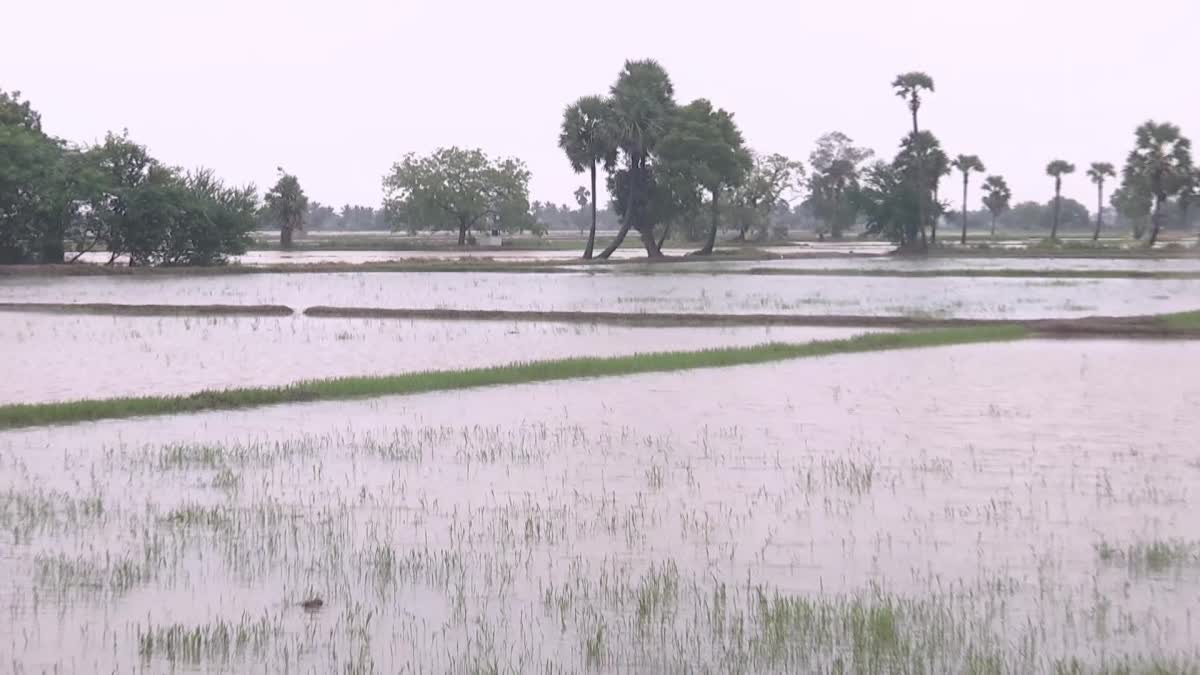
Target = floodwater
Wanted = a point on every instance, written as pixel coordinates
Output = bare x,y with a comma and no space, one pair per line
630,291
51,357
942,264
1003,508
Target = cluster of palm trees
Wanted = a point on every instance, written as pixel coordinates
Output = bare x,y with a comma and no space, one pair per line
662,159
1159,168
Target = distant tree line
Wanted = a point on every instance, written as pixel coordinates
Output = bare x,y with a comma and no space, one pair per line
671,169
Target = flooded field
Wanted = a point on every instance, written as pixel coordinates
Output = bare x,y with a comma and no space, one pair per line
1017,508
635,292
60,357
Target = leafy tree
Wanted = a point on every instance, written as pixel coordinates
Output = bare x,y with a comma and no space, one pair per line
1160,163
966,164
909,87
1189,192
771,178
586,137
889,203
1133,203
643,104
1057,169
30,168
287,205
834,180
459,190
996,196
1100,172
704,146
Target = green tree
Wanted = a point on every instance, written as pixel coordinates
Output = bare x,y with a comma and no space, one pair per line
996,197
966,164
287,205
1100,172
459,190
771,178
1189,192
1057,169
704,146
834,180
909,86
642,102
586,138
1160,163
31,175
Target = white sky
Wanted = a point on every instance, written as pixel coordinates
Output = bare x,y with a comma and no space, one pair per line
335,91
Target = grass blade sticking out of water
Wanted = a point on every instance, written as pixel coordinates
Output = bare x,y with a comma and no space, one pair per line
21,415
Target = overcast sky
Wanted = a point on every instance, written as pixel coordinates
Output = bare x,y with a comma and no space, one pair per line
335,92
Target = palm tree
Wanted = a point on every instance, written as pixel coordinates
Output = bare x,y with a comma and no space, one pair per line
586,139
1058,168
909,86
1100,172
1161,160
642,100
966,164
287,204
996,196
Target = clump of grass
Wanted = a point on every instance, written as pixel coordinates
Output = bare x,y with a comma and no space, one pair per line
518,373
217,641
1153,556
61,572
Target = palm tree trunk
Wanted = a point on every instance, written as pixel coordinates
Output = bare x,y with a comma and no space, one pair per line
591,242
653,251
711,242
1155,222
616,242
1057,206
921,206
1099,210
663,239
627,219
964,223
993,225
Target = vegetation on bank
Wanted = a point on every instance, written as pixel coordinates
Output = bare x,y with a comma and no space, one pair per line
21,415
673,168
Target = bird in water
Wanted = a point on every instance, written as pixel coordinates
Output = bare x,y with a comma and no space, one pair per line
312,604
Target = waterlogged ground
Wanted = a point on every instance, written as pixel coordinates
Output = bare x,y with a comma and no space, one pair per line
1017,508
636,292
49,357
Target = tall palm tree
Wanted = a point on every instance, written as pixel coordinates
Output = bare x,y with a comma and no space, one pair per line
1100,172
996,196
287,204
909,86
642,101
1161,160
586,138
966,164
1058,168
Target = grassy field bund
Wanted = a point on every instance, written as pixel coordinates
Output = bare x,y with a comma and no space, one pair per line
23,415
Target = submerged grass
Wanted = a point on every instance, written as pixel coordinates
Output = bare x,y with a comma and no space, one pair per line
21,415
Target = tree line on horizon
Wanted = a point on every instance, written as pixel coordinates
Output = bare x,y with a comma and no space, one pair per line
670,168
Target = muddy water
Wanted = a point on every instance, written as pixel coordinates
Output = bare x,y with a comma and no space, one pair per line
926,511
633,292
59,357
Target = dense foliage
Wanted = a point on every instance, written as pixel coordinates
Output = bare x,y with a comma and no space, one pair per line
57,197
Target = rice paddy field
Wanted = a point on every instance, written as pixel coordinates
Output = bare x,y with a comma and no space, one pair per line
1018,506
634,292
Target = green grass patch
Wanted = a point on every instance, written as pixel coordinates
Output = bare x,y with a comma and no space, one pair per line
1185,321
22,415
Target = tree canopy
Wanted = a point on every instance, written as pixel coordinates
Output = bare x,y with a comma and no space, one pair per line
459,190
